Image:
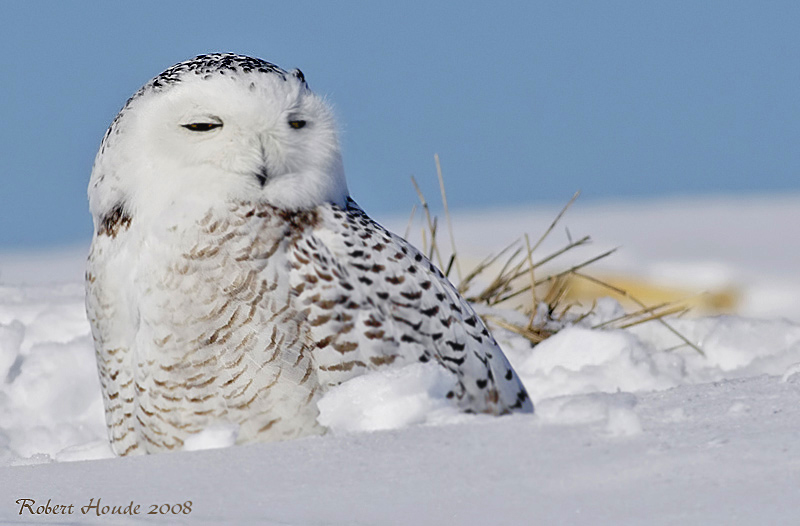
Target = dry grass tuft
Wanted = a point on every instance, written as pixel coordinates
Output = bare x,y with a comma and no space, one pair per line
518,270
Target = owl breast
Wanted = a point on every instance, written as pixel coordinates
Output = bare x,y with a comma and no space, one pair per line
218,339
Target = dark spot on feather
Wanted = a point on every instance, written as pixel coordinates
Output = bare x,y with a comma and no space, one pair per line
325,342
411,295
326,304
521,397
456,346
457,361
114,221
414,326
382,360
344,347
430,312
299,219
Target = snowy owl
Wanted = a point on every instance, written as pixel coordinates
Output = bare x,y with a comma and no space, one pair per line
232,280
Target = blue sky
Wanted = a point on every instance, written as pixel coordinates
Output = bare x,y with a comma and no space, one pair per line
525,102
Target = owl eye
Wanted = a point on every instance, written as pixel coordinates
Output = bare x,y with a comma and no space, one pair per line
297,124
202,126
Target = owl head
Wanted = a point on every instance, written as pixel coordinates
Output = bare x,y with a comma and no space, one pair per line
216,128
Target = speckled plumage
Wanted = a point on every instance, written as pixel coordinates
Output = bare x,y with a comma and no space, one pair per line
232,280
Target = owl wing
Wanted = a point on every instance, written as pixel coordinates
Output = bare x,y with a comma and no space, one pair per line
372,299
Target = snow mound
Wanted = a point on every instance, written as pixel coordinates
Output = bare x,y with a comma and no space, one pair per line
49,390
577,360
390,399
212,438
614,414
51,408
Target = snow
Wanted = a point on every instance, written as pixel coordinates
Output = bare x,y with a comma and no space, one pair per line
390,399
694,462
628,429
212,438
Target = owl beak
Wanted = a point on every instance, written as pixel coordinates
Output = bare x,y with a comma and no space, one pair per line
262,175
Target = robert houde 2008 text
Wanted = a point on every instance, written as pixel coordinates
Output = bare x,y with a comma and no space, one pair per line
28,506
